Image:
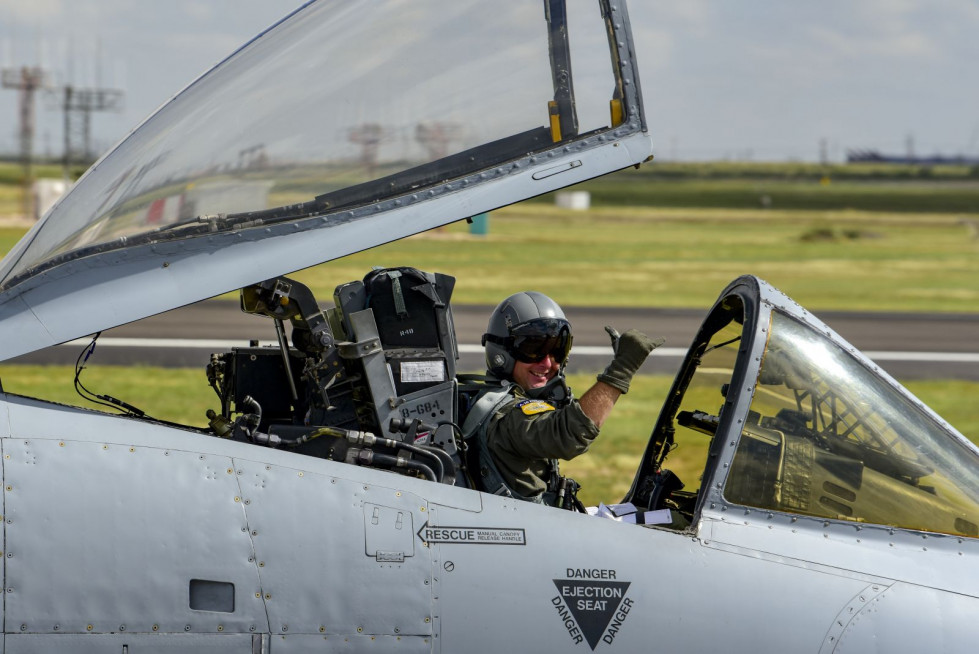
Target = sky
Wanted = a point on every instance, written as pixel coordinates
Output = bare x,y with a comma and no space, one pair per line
761,80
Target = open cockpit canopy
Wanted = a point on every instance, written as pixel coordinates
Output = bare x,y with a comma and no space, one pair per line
343,114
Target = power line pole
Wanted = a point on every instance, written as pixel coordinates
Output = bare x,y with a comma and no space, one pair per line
27,80
436,137
78,104
369,137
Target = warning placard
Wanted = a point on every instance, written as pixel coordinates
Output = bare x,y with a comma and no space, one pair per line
473,535
593,609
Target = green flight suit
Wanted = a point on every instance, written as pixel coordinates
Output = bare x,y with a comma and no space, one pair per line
525,434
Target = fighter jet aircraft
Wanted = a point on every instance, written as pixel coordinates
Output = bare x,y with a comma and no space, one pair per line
329,506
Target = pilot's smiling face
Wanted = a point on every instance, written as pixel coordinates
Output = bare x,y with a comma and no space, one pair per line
535,375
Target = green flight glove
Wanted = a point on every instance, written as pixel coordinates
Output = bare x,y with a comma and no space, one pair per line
631,349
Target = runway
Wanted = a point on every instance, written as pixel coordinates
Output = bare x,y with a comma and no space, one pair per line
908,346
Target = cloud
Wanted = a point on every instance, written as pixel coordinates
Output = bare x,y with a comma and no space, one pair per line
18,11
197,11
911,28
658,29
692,15
894,44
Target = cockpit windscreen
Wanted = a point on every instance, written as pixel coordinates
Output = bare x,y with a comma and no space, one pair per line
828,437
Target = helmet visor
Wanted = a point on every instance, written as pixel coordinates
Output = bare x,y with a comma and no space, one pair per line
534,340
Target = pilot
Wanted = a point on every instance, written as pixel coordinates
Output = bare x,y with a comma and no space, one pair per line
526,417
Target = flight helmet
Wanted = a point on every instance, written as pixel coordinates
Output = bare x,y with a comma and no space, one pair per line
526,327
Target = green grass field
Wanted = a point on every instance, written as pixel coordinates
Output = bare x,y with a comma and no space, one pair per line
875,237
9,237
684,257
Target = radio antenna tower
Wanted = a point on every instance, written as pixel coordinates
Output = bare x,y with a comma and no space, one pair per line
77,104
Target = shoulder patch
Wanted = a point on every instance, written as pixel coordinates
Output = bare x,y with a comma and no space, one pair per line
533,407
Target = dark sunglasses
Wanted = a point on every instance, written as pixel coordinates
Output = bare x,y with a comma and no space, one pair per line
534,340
